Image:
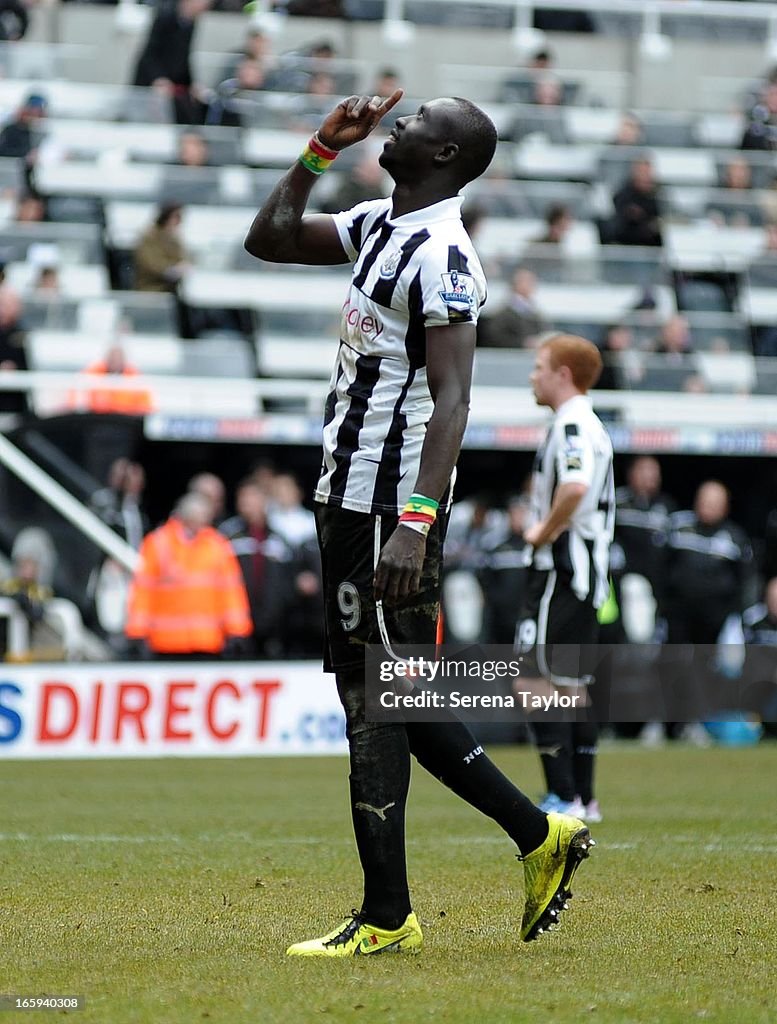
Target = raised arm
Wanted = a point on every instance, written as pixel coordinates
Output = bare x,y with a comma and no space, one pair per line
280,232
449,355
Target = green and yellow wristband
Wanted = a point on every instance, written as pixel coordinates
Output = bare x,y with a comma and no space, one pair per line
316,156
419,513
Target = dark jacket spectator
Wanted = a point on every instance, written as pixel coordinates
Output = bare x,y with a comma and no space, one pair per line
14,20
20,137
622,363
519,322
267,564
119,505
165,59
637,208
710,563
761,131
504,576
642,520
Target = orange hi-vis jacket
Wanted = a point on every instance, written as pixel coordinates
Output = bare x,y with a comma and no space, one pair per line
136,402
188,594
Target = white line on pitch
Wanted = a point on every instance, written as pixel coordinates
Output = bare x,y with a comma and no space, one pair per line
604,845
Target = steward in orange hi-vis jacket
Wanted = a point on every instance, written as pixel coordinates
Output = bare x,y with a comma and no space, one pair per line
187,596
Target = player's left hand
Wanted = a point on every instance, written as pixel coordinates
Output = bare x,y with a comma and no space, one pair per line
398,572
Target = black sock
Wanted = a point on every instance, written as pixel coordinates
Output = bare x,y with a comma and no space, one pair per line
584,737
380,777
450,752
554,745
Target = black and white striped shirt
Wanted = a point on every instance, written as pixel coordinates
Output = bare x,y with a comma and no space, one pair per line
409,273
577,449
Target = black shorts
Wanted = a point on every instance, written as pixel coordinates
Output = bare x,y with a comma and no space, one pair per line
557,633
347,541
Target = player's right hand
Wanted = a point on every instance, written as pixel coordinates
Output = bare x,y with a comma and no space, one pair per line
354,118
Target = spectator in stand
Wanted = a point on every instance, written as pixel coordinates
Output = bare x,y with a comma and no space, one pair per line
474,529
638,208
161,259
737,175
709,583
14,20
294,69
622,364
30,209
130,402
263,475
321,83
24,585
386,82
674,366
759,621
33,560
547,90
761,131
759,626
224,107
120,506
767,198
257,48
187,599
642,520
629,132
47,282
212,489
120,503
287,515
267,564
542,60
710,568
19,138
504,574
366,181
165,60
558,221
12,351
304,625
193,150
249,75
517,324
674,342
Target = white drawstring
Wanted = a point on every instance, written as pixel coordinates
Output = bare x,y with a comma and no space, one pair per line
379,603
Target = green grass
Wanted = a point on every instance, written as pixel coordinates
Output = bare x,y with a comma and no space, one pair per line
166,892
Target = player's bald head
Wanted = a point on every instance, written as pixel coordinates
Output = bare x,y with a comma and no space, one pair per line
473,132
450,137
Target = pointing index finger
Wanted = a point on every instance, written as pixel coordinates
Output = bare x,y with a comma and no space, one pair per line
391,101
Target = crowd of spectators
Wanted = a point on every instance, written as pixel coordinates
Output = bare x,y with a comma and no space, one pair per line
271,538
699,563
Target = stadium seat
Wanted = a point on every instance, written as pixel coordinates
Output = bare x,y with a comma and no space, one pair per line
728,372
76,282
502,367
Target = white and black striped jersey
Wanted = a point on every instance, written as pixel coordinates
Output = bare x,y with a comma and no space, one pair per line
409,273
577,449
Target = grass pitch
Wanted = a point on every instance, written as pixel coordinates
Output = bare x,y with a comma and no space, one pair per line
166,892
